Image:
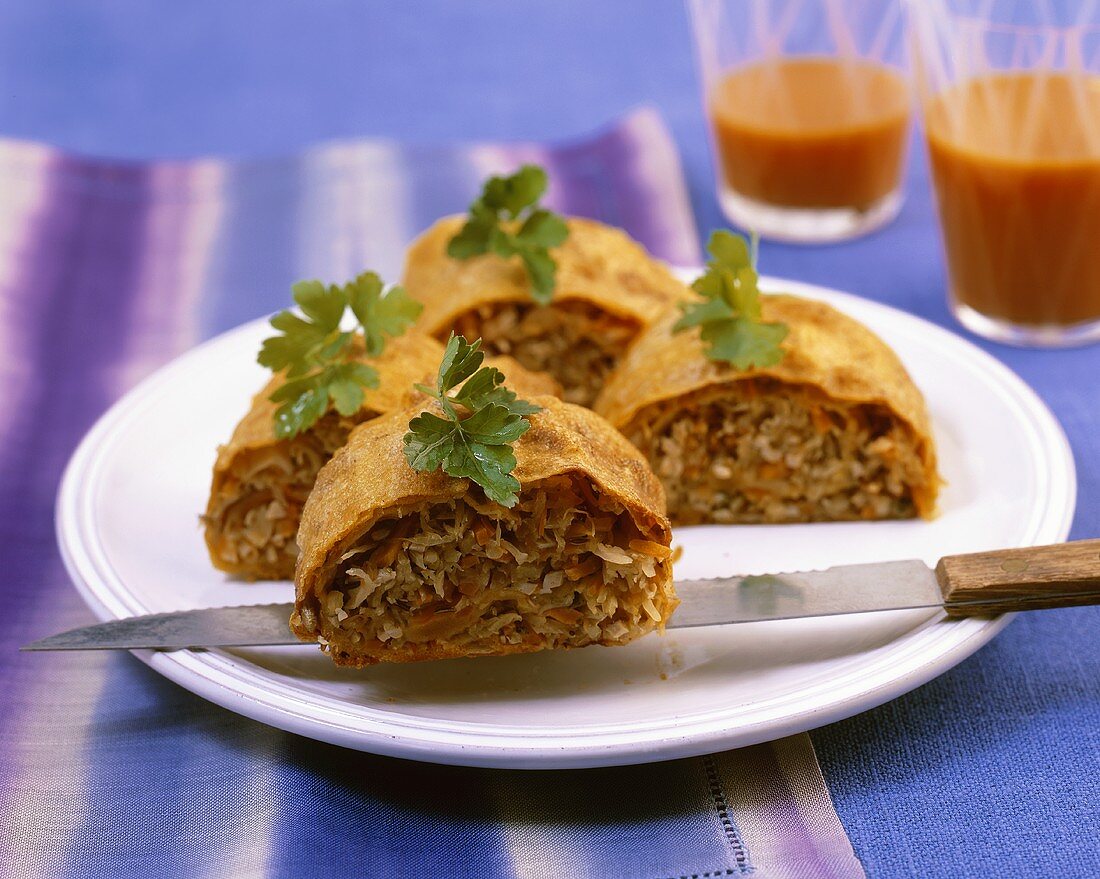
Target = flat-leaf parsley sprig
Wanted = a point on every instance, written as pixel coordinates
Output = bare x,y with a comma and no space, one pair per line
475,443
729,316
317,355
507,200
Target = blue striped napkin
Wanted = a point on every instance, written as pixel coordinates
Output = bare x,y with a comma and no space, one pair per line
107,270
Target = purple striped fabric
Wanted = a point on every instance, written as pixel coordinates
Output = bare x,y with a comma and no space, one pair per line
108,270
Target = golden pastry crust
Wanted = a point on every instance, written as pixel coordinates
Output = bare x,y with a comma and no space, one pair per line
831,360
608,289
567,450
260,481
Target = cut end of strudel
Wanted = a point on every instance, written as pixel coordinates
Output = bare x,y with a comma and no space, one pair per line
401,566
836,431
608,290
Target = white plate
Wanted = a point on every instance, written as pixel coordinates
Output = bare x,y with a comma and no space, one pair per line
127,520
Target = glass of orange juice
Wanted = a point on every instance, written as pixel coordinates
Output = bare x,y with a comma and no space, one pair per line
809,108
1011,102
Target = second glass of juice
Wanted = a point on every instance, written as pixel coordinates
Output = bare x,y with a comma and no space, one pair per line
1011,99
809,108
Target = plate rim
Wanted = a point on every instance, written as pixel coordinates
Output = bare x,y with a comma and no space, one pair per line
215,677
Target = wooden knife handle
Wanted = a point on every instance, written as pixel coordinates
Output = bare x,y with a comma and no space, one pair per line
1032,578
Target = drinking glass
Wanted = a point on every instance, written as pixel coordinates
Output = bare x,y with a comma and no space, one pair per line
809,108
1011,101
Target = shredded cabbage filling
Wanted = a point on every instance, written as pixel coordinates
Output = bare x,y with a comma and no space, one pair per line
777,454
564,567
576,343
258,508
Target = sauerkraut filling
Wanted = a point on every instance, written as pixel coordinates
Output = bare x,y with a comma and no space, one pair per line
255,517
563,568
576,343
768,452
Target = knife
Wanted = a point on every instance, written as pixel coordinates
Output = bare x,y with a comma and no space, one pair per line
978,584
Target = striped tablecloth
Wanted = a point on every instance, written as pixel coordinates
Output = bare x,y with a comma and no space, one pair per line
109,270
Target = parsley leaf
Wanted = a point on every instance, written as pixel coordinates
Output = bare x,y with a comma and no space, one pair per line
486,387
506,201
379,314
476,445
729,314
318,357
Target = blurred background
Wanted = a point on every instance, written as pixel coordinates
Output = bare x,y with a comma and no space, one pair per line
138,80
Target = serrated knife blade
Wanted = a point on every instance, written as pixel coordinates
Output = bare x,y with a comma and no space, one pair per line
714,602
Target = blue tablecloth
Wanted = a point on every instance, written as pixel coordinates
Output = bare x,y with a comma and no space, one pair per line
993,769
